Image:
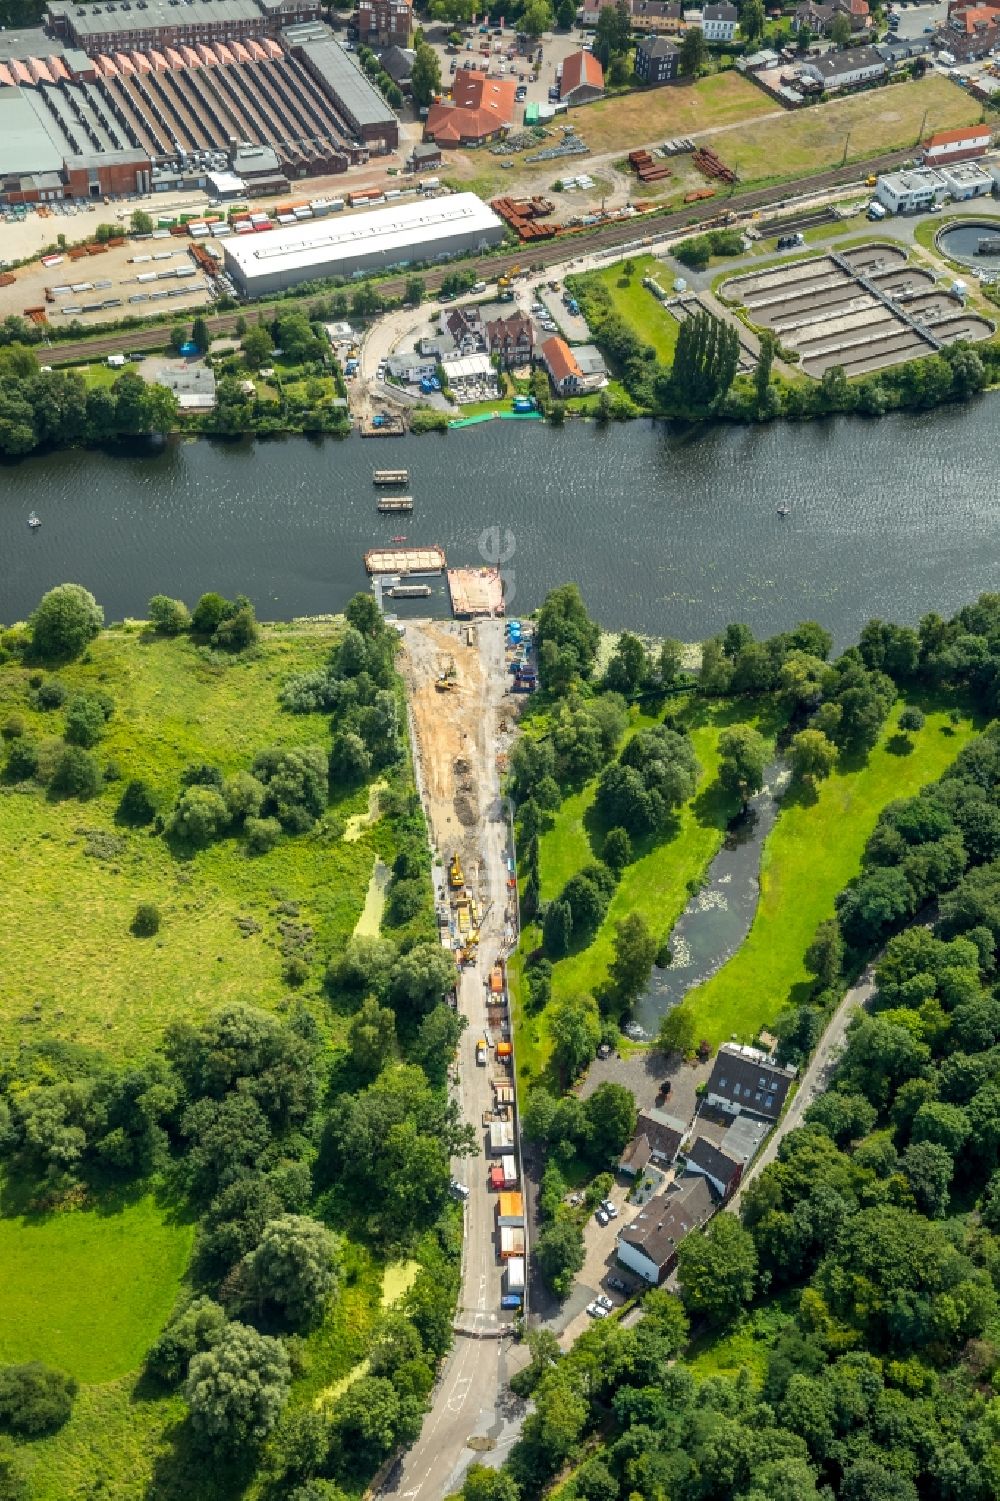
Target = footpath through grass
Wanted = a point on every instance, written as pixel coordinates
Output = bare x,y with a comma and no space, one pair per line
69,961
814,849
656,884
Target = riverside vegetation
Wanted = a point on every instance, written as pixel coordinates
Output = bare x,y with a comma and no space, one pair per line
848,1324
203,1074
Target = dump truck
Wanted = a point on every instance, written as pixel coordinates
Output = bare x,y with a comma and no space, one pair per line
456,879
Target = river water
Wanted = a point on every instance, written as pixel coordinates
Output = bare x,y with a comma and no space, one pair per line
666,532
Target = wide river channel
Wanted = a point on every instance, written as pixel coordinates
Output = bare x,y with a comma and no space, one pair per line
666,532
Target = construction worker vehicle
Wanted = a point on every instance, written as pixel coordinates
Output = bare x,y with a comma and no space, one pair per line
456,878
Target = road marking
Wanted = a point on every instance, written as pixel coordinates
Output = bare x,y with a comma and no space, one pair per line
456,1402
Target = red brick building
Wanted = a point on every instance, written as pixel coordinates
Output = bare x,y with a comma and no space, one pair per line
384,23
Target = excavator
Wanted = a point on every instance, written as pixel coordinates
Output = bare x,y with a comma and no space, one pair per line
456,879
446,681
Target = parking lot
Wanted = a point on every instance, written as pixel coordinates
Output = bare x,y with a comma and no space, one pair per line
862,310
914,19
555,47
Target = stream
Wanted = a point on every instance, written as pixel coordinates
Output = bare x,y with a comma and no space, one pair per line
717,919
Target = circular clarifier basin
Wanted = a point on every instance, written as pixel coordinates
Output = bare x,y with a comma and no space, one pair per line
960,242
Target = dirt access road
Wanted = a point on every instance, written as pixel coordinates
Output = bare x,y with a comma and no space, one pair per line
456,737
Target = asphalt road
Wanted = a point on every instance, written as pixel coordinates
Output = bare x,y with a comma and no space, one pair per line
473,1414
550,253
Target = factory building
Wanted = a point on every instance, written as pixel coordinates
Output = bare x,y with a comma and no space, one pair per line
425,230
166,23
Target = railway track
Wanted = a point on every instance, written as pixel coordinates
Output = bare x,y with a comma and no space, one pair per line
550,253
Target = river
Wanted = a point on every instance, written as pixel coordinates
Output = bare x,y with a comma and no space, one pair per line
666,532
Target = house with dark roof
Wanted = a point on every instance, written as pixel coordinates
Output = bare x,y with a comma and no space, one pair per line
466,329
819,17
656,60
721,1173
582,79
648,1245
425,154
745,1081
718,22
398,63
481,109
511,340
662,1135
836,72
658,17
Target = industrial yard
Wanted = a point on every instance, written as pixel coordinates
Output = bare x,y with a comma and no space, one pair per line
862,309
107,283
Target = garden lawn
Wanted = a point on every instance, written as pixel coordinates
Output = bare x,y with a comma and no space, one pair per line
656,884
638,307
88,1290
69,962
813,850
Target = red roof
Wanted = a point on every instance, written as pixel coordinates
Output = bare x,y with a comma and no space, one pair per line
963,133
580,68
560,359
482,106
970,16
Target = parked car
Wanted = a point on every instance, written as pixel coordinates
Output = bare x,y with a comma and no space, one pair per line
609,1209
617,1283
603,1301
458,1190
596,1311
602,1217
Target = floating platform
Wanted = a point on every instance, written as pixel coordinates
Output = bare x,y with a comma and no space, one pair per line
391,477
475,592
404,560
409,591
389,503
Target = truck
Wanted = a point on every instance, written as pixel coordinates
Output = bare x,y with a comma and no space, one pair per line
514,1274
482,1053
876,210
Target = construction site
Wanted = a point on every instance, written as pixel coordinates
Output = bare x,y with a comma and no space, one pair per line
861,309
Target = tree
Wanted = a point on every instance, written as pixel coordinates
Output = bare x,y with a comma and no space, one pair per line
694,53
537,17
350,762
146,921
371,1037
766,396
421,978
200,816
197,1328
136,806
436,1041
575,1030
413,293
928,1168
168,616
85,720
671,660
565,15
178,337
617,850
141,223
295,1267
824,957
707,351
559,1250
34,1399
677,1031
200,335
911,719
557,929
635,951
77,772
742,759
567,638
64,622
812,756
257,346
752,26
629,666
610,1115
236,1389
717,1270
425,76
840,30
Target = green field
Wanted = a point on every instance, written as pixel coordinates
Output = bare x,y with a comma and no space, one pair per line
637,306
656,884
69,961
813,850
88,1290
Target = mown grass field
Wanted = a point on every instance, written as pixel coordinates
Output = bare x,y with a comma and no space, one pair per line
656,884
71,967
813,850
721,99
638,307
88,1290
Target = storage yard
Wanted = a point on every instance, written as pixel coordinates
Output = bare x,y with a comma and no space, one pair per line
861,309
140,278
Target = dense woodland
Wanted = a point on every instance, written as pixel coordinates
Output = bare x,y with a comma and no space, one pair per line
251,1122
870,1251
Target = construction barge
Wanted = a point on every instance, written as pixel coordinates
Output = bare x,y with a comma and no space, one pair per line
391,477
476,593
404,561
409,591
389,504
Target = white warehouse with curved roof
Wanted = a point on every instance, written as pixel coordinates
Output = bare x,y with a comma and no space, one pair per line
426,229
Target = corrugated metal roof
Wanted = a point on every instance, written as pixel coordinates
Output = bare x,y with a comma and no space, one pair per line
362,102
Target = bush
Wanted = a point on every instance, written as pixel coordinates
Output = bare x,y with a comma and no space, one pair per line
197,1328
34,1399
13,727
296,971
22,761
51,693
200,815
169,616
85,720
237,631
77,772
262,834
136,806
146,921
65,622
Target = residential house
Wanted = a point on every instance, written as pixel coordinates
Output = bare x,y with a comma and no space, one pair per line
467,331
590,12
960,145
648,1245
746,1080
836,72
972,31
411,368
511,340
592,367
658,17
582,79
384,23
722,1173
656,60
481,108
657,1136
819,17
718,22
559,361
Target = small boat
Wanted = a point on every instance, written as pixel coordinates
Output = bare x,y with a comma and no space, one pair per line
33,521
400,538
783,510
